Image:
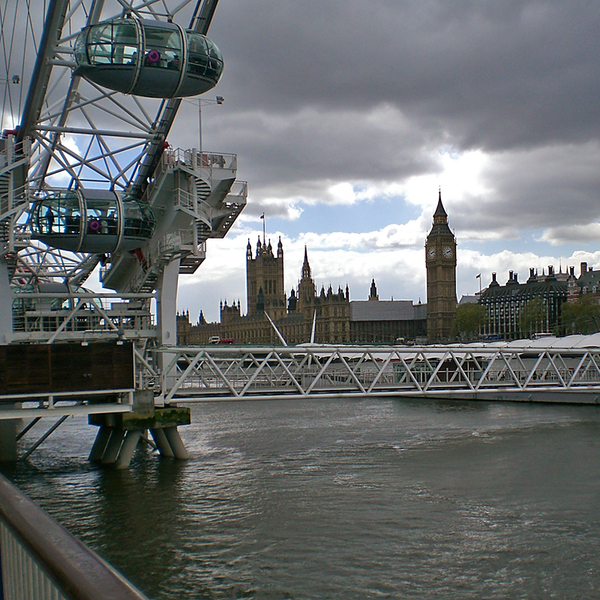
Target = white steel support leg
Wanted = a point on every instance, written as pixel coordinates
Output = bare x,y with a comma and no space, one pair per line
167,319
132,437
167,304
176,444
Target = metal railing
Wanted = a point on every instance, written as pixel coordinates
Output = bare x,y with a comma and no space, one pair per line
40,560
197,208
452,371
79,315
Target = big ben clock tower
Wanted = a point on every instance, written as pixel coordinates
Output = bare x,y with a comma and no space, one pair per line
440,259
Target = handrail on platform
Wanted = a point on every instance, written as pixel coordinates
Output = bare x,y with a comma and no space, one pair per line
476,371
40,560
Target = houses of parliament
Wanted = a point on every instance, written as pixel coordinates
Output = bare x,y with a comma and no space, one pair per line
329,316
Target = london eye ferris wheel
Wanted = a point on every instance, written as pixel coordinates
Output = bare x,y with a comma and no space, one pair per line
87,181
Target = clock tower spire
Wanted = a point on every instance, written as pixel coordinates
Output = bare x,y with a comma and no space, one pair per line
440,260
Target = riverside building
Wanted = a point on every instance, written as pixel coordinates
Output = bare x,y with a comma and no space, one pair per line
509,308
333,317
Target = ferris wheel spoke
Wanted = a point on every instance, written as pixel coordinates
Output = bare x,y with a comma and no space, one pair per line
117,109
94,141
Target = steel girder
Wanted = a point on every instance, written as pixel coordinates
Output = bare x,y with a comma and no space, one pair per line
306,371
84,135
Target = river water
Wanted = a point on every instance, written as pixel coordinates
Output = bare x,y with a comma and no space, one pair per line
348,499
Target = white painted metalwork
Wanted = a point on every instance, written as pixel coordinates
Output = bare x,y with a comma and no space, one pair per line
478,371
70,134
81,316
62,404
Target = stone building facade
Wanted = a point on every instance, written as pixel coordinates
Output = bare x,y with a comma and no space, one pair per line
326,316
264,280
440,261
588,282
505,305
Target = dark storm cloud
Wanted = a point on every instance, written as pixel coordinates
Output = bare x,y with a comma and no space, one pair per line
324,146
494,75
323,92
537,189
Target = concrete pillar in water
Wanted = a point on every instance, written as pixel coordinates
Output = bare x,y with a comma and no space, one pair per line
162,443
132,437
176,444
100,443
120,432
113,447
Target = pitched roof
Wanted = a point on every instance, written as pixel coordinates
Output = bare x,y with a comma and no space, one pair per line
386,310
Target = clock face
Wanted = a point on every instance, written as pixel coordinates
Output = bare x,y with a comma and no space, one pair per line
431,252
447,252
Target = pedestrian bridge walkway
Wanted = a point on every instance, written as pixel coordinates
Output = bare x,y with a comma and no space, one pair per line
551,369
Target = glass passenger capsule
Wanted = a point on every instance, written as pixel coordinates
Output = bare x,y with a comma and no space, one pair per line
97,221
155,59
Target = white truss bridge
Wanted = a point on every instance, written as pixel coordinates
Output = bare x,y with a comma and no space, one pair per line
523,372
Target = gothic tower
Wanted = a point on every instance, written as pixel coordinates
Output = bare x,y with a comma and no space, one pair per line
307,290
264,280
440,259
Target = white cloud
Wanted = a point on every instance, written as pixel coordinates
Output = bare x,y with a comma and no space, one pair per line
572,234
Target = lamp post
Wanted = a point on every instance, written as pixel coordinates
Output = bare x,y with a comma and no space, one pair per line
217,100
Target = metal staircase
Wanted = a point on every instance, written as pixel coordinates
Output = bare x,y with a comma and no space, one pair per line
14,162
227,212
199,198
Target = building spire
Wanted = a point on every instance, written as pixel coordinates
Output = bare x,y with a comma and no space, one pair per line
440,215
306,272
373,295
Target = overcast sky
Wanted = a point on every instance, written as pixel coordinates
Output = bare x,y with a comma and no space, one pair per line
346,118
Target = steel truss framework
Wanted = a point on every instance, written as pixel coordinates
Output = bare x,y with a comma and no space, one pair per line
316,371
65,132
84,134
78,134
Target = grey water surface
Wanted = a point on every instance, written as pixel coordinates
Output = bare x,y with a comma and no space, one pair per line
348,499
